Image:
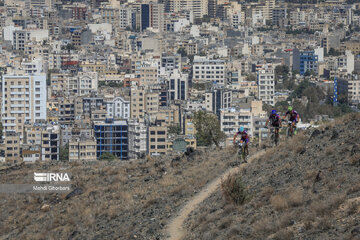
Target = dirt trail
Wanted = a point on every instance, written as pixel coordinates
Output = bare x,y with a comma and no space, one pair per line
175,229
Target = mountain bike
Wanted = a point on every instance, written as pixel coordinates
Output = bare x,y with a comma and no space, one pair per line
241,153
274,137
291,130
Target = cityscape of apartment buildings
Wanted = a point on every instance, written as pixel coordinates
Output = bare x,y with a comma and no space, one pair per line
117,77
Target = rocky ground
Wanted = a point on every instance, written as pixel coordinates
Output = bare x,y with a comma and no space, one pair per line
307,188
116,200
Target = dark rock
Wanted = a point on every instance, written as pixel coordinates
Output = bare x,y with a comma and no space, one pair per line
315,133
355,232
75,192
176,161
335,135
73,235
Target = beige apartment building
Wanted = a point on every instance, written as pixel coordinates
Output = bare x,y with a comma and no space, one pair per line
94,67
24,100
148,74
82,149
189,127
143,101
353,46
59,82
157,141
167,116
354,91
44,137
199,7
12,147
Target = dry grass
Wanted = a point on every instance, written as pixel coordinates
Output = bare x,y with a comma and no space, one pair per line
353,208
264,226
327,205
329,150
295,197
324,224
234,190
321,208
283,234
234,231
225,223
284,221
278,202
311,174
353,189
299,149
355,159
267,193
347,118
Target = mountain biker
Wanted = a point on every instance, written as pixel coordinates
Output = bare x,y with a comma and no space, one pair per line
244,138
293,117
275,121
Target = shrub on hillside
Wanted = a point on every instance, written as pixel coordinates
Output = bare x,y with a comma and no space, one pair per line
234,190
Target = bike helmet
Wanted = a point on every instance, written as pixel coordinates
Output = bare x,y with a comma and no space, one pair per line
290,108
241,129
273,112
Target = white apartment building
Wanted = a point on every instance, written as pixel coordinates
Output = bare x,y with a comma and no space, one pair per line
118,108
125,17
137,139
236,19
208,70
87,82
33,67
232,119
177,85
24,100
266,84
346,62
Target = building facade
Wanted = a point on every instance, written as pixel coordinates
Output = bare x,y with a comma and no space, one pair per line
24,100
112,137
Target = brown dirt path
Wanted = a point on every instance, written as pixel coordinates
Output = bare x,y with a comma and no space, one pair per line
175,229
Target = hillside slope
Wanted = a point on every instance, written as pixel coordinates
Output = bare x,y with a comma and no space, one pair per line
307,188
117,200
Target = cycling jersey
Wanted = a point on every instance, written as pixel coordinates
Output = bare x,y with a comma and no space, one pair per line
294,116
275,120
244,136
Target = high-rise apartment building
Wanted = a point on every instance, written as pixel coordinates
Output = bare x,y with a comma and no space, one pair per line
178,85
152,15
24,100
198,7
266,84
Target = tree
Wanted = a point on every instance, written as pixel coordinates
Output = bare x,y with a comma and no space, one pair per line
64,153
333,52
107,157
174,129
251,77
208,129
182,51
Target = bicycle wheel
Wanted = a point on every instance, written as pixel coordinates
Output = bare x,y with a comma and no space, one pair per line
288,132
244,154
238,157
